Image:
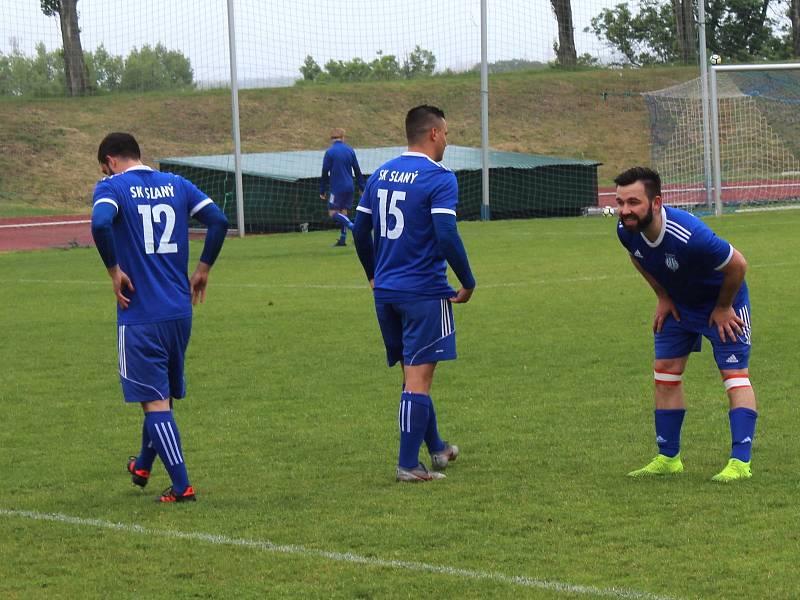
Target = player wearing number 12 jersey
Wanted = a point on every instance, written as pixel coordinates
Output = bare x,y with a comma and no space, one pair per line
405,235
140,224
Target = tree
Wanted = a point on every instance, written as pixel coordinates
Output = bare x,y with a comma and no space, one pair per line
685,30
740,29
420,63
645,38
565,47
156,69
75,71
794,15
664,31
310,69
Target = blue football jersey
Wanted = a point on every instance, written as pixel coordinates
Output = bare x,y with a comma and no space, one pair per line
151,236
401,196
339,165
685,259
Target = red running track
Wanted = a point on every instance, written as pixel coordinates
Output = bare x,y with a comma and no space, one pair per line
31,233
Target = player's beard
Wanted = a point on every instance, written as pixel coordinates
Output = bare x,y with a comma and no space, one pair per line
641,224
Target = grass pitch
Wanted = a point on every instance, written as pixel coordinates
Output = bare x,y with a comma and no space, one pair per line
290,433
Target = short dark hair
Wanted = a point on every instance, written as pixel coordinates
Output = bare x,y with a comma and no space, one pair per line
118,144
419,120
649,177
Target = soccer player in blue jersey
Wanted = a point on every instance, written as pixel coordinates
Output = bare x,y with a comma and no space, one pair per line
698,279
410,205
140,224
338,167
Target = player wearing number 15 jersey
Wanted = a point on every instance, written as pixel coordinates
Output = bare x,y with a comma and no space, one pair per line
405,235
140,224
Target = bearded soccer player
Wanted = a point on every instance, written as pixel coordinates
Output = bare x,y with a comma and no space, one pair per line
140,225
410,205
698,279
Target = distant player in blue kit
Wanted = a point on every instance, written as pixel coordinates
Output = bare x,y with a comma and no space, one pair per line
410,205
338,168
698,279
140,224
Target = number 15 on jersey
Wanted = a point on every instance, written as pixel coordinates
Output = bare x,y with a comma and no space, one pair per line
392,209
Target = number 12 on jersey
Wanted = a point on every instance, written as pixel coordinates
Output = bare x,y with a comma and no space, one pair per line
154,214
394,210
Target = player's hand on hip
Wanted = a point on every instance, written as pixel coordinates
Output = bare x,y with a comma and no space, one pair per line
664,309
121,281
462,295
728,323
323,196
198,282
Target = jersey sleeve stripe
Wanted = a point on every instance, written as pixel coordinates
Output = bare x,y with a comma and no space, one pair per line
106,201
200,205
726,261
364,209
443,211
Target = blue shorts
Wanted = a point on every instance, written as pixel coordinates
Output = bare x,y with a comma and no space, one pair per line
418,332
340,201
151,359
678,339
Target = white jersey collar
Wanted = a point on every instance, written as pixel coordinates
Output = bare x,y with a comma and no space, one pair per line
661,234
139,168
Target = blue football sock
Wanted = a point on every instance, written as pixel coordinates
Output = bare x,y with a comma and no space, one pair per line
147,454
164,434
343,221
432,439
743,430
668,430
413,419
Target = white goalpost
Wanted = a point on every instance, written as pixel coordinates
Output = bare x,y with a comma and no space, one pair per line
750,159
755,118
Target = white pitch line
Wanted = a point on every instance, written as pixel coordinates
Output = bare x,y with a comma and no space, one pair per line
46,224
346,557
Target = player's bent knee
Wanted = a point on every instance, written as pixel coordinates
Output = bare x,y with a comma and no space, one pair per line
668,378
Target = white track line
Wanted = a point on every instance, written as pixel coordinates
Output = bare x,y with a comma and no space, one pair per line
46,224
346,557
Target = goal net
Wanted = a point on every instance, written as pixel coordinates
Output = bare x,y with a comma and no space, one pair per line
759,145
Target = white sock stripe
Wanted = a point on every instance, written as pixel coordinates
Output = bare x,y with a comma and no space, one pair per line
659,376
176,446
733,382
170,442
164,445
400,416
408,417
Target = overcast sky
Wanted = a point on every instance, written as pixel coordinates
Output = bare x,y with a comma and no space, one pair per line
273,37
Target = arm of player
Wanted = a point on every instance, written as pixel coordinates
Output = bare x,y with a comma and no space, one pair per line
728,323
216,228
451,246
362,238
357,172
665,305
324,178
103,215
